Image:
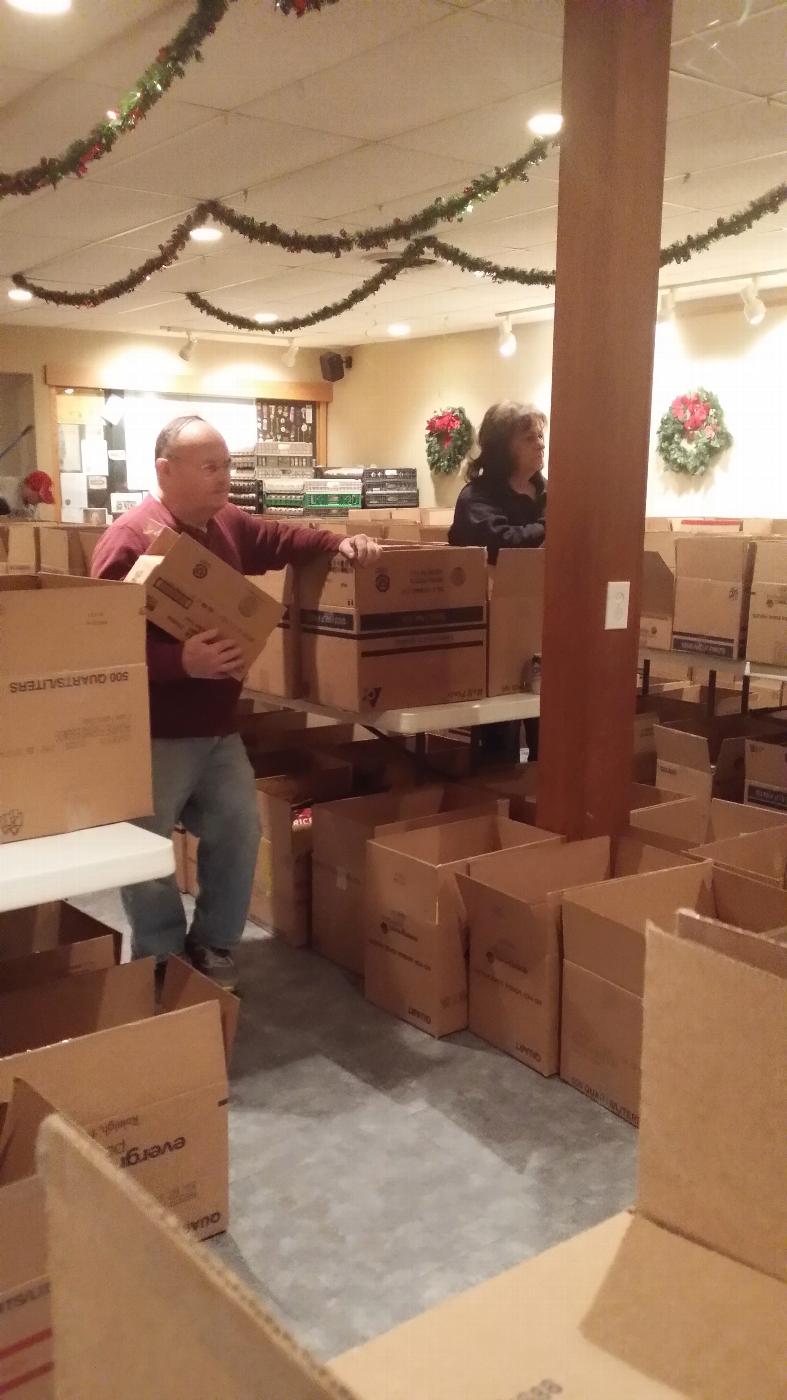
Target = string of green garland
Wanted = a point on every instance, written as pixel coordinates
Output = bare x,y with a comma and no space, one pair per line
264,233
169,64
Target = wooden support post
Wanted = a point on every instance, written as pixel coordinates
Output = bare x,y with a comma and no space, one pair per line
614,104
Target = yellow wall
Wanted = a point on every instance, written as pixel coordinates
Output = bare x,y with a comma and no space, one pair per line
380,409
217,369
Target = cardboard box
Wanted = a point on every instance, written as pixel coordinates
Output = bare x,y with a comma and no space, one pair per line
209,1337
93,951
74,716
512,901
26,1362
516,612
712,595
766,774
286,798
681,1299
416,932
761,854
67,549
340,831
704,758
409,631
52,929
277,669
188,590
22,548
604,930
690,821
265,731
657,597
767,636
137,1081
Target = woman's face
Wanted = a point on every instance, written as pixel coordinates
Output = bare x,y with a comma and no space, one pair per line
527,450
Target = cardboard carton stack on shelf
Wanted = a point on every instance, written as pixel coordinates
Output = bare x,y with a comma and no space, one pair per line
683,1296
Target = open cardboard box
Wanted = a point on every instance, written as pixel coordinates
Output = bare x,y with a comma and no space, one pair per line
657,597
604,963
340,831
712,595
761,854
415,962
687,822
277,669
289,785
512,902
51,937
706,758
682,1299
74,712
151,1089
766,773
516,612
188,589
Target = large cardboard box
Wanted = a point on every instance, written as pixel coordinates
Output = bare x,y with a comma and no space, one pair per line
682,1299
67,549
151,1089
512,901
604,930
760,854
705,758
767,635
516,614
188,590
22,548
25,1319
54,931
340,831
657,598
416,930
277,669
686,822
74,718
409,631
766,774
286,799
712,595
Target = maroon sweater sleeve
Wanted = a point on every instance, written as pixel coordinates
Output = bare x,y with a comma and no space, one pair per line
272,544
117,549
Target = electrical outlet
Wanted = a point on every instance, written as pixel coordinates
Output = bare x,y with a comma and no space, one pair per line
617,614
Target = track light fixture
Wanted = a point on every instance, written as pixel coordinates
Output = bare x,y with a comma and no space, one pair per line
753,308
187,349
666,309
506,341
291,354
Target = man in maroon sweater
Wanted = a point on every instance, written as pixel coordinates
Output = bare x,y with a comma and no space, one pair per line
201,774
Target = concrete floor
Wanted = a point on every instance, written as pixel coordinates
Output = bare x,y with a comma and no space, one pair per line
375,1171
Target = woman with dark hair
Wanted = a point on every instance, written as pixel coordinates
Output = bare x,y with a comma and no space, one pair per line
503,504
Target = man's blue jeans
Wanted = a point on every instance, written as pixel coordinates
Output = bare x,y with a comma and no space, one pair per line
208,784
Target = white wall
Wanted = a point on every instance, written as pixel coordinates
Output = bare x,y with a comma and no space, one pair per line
380,409
16,411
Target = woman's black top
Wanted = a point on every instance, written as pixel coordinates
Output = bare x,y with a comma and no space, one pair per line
498,518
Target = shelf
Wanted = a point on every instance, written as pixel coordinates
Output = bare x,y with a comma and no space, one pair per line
464,714
723,665
80,862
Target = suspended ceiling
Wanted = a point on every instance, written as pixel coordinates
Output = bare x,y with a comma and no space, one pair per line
364,111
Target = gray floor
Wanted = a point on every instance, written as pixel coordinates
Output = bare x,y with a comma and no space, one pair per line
375,1171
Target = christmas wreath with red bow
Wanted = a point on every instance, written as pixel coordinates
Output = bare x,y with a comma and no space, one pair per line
692,432
449,437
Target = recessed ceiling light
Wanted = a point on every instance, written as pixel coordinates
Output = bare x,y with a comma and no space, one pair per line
41,7
20,294
545,123
398,329
266,318
206,233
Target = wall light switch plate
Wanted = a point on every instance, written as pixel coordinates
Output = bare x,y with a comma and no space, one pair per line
617,614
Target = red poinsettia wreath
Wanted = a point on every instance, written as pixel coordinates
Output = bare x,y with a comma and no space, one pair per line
449,437
693,432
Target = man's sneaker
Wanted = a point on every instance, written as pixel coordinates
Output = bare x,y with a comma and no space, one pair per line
215,963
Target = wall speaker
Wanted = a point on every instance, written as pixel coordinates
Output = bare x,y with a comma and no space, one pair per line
332,366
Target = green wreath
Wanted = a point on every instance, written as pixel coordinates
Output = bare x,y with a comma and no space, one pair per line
692,433
449,437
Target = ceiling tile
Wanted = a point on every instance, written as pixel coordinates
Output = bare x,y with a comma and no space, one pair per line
84,206
546,16
487,135
224,155
44,121
726,137
732,184
694,16
61,39
24,251
748,57
13,82
476,55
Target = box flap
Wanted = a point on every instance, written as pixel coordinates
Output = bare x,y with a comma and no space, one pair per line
724,560
657,598
760,853
46,926
87,955
114,1339
517,573
687,750
770,561
39,1015
680,824
184,986
532,874
26,1112
711,1165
